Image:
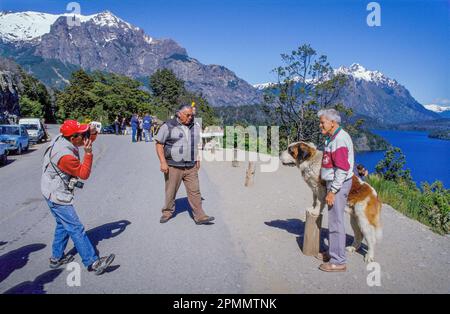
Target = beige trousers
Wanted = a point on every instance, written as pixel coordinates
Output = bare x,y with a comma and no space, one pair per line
173,180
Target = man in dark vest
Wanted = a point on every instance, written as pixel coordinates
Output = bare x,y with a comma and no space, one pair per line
61,172
176,146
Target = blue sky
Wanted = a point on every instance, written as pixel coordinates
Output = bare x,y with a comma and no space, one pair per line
412,45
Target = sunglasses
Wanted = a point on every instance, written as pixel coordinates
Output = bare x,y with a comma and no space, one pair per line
86,134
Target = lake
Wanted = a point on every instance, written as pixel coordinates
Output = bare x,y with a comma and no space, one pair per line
427,158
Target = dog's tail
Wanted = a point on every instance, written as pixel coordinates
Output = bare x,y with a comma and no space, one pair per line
379,233
378,228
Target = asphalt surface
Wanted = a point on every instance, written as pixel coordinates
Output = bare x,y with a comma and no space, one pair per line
120,207
253,247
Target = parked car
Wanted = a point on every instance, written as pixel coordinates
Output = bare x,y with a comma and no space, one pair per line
16,136
109,129
3,153
35,129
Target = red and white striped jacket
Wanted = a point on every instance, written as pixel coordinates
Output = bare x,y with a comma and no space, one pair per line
338,160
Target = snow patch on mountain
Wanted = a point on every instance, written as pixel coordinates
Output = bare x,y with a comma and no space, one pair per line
263,86
355,71
437,108
26,26
359,72
107,19
29,25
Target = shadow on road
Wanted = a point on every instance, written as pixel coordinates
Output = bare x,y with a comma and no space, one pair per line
36,286
8,162
182,205
29,151
104,232
17,259
297,227
110,269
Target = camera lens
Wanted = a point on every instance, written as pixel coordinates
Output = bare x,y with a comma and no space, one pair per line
87,134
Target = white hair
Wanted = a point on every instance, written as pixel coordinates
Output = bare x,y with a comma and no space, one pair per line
330,114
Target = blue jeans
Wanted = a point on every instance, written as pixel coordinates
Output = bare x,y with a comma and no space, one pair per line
133,134
147,135
68,225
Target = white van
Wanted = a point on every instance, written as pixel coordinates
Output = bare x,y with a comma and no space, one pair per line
35,129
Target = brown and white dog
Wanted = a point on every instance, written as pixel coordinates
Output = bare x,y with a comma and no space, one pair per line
363,204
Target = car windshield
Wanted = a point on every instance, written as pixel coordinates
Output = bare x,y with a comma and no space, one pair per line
30,126
9,130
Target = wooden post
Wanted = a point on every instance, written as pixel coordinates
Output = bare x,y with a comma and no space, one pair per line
235,162
250,174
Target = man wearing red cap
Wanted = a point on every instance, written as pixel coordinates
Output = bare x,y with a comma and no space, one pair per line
61,171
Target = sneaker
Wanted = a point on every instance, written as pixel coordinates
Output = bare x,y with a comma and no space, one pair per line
54,263
100,265
205,220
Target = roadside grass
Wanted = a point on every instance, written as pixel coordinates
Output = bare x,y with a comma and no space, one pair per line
429,205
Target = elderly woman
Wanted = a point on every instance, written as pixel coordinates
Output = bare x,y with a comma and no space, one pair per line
337,172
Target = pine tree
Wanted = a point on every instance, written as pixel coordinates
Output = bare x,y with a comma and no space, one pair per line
306,84
167,89
391,167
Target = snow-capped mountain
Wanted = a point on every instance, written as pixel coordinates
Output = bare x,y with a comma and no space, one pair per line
437,108
372,94
28,26
443,111
51,47
263,86
358,72
355,71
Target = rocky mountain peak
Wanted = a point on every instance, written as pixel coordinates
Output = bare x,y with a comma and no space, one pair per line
108,19
359,72
105,42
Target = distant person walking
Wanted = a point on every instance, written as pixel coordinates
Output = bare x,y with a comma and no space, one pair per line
177,149
116,125
134,127
140,129
123,126
147,126
337,172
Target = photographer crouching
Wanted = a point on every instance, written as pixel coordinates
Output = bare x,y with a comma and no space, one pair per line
61,172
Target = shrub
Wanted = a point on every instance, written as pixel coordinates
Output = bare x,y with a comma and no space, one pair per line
430,206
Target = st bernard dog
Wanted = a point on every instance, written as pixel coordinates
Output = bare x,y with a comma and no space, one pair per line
363,204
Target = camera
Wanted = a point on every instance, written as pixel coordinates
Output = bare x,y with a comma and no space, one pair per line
87,134
75,183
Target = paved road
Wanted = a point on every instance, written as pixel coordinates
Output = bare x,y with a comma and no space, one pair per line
120,205
252,248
